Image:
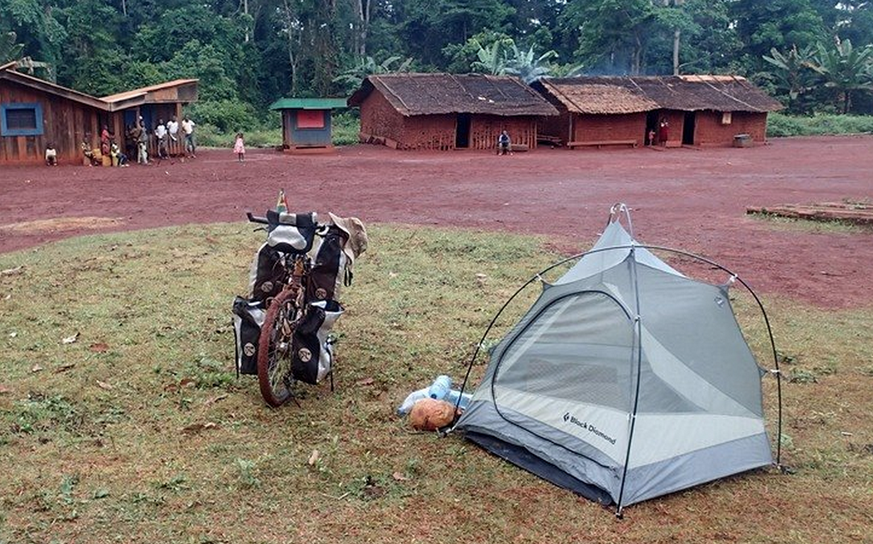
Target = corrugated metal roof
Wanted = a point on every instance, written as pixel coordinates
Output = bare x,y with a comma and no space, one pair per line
127,95
428,94
625,94
308,104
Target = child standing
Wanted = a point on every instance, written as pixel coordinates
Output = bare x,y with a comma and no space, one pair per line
239,147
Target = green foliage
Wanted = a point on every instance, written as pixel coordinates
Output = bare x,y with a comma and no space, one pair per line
527,65
845,69
9,50
352,78
228,116
787,125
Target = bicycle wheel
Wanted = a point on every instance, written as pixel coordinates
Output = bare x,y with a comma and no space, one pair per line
275,349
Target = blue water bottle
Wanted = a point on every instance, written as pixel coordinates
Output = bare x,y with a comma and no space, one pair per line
440,387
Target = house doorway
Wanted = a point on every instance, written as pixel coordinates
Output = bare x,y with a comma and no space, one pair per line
651,135
462,134
688,128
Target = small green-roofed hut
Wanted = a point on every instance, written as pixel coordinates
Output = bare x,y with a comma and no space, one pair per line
306,123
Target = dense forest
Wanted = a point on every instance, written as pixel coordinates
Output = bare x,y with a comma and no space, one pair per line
815,55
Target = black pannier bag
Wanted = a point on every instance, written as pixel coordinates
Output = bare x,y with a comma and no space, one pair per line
312,345
330,267
267,274
248,317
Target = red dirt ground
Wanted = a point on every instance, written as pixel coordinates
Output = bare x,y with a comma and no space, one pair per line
683,198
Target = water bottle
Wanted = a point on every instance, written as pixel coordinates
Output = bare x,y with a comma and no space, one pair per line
440,387
410,401
453,397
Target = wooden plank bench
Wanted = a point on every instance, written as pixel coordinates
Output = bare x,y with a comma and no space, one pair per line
601,143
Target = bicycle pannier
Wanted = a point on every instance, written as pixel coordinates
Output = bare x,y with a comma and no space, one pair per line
248,317
313,350
267,274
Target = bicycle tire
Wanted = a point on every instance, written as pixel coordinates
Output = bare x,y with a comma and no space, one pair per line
274,349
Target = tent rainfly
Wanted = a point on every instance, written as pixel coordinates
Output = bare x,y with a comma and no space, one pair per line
626,380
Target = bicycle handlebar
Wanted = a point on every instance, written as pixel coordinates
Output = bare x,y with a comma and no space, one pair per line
253,219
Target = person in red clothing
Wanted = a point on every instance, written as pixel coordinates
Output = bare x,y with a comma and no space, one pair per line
663,132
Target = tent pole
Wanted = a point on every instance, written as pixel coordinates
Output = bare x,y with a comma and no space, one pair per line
636,361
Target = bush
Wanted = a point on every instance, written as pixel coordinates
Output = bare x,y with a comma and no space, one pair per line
228,116
345,128
779,125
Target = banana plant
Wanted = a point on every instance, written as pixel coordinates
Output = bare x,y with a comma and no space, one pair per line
9,50
845,69
527,66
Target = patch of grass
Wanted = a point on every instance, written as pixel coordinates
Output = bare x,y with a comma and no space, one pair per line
810,226
140,428
779,125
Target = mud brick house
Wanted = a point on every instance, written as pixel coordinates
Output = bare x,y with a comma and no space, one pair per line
306,123
35,113
700,110
448,111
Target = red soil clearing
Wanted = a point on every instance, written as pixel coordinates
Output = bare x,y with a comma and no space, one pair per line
690,199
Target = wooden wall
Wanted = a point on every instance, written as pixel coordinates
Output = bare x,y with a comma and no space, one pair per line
485,129
65,124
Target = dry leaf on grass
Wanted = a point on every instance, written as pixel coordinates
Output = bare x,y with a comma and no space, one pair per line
104,385
400,477
213,400
197,427
36,368
12,271
187,382
64,368
314,457
366,381
4,390
99,347
71,339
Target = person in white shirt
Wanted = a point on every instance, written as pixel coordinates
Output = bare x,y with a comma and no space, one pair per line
51,155
188,129
173,128
161,135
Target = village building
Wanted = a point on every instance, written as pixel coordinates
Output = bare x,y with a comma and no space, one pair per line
35,113
154,103
632,110
306,123
448,111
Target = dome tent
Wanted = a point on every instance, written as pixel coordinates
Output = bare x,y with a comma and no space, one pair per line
625,380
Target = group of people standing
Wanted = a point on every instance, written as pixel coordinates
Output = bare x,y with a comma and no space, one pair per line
137,138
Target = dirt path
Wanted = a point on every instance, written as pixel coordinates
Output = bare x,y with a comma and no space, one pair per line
691,199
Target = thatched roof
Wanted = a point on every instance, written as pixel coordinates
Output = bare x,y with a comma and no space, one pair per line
612,95
428,94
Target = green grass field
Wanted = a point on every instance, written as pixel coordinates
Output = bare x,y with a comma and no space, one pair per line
139,431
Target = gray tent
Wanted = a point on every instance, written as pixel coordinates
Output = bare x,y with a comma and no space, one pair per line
625,381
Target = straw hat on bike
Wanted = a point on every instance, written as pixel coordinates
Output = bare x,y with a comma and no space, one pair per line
357,235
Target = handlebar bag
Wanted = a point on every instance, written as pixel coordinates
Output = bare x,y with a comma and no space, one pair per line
291,232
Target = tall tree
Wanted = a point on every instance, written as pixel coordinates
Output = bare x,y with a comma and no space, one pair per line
779,24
